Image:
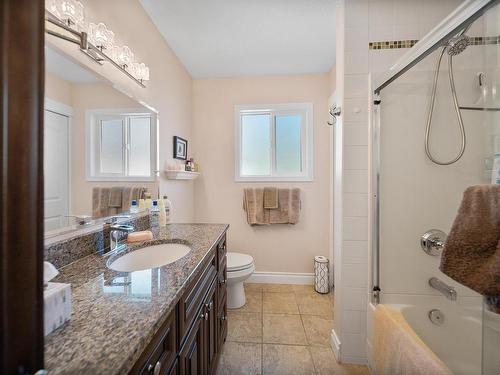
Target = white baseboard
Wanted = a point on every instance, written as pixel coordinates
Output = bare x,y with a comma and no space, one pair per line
336,345
282,278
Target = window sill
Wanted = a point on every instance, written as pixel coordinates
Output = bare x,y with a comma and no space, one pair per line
120,179
275,179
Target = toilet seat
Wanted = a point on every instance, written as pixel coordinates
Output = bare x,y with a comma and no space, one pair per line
238,262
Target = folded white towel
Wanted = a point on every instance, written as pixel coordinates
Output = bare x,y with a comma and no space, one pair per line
49,272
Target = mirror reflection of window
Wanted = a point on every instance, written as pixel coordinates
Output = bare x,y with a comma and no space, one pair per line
121,145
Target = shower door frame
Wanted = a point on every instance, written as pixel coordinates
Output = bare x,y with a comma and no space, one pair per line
464,15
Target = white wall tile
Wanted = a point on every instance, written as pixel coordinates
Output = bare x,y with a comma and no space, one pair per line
381,12
407,31
356,38
354,298
355,86
355,252
356,13
355,228
356,61
354,322
355,110
355,181
355,204
380,33
355,275
354,345
356,134
355,157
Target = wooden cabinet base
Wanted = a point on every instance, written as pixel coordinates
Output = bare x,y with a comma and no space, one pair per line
191,339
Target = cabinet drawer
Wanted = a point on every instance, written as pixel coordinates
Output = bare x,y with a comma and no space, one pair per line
190,303
162,350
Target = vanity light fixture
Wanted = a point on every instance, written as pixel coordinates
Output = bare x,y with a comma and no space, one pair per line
65,19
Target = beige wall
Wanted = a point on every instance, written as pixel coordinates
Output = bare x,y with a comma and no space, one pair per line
218,198
58,89
169,91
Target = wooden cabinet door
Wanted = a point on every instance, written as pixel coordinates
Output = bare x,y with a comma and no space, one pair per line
191,356
211,327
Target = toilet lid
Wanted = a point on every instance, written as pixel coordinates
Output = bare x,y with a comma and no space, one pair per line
238,261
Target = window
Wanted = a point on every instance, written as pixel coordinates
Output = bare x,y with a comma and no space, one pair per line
274,142
121,145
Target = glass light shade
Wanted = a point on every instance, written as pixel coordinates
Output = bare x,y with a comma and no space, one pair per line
70,10
101,36
51,6
123,55
134,69
143,72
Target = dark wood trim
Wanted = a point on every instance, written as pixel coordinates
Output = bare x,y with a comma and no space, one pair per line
21,185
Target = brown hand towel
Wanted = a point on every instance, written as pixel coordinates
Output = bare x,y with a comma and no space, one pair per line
126,198
253,203
288,207
471,253
100,202
115,197
270,198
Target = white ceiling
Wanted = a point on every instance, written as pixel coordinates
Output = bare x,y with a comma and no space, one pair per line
61,66
227,38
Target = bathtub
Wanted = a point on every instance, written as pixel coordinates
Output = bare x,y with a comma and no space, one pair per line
458,340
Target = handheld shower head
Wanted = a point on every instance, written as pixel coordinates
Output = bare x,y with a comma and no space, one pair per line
457,44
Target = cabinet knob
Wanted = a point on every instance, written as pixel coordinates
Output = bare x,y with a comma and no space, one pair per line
206,316
208,306
223,317
222,282
157,368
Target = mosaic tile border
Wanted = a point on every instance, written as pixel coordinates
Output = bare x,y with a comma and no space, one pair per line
483,40
408,43
393,44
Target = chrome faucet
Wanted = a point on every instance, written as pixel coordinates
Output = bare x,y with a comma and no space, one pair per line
114,243
446,290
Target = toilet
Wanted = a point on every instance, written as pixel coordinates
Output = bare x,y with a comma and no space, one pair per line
239,268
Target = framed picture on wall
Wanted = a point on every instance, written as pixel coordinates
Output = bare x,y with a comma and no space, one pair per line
180,148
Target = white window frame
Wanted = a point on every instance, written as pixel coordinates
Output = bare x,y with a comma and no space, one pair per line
306,137
93,144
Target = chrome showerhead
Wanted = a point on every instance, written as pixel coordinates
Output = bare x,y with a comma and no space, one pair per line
457,44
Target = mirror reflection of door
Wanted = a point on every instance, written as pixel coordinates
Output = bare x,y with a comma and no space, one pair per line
56,169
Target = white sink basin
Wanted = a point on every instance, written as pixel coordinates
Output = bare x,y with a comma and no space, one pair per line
149,257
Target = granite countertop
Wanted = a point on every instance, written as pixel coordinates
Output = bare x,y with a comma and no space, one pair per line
116,314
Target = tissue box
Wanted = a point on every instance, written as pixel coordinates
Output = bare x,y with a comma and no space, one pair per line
57,305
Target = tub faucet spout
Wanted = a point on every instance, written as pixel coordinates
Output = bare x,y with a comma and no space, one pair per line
446,290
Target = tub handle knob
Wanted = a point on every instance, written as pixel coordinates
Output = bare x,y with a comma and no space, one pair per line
432,241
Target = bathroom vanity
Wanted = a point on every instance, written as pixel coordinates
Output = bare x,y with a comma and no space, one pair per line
165,320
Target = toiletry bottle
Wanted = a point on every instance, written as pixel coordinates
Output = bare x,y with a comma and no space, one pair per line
133,207
168,207
163,215
142,205
154,215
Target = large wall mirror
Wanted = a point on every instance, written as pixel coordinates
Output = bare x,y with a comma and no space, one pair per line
100,147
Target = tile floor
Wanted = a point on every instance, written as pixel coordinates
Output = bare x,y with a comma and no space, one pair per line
282,329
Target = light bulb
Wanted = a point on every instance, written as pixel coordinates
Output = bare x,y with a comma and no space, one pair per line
101,36
124,55
70,11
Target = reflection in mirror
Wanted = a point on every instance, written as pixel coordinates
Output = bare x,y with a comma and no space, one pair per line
99,147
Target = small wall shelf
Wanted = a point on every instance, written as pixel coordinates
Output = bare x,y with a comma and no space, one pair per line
182,175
